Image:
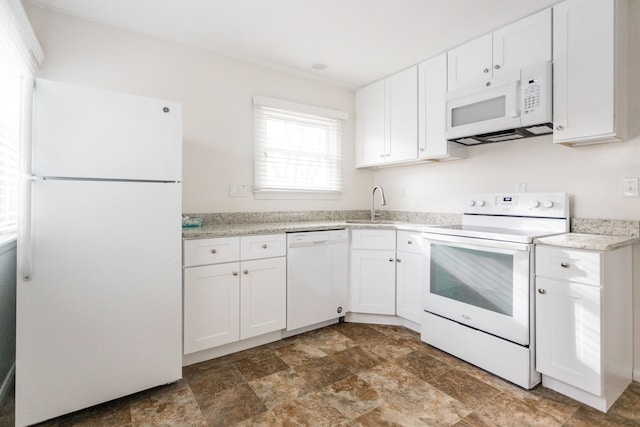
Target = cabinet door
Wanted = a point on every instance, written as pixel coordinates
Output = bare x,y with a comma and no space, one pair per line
470,62
568,333
211,306
410,276
263,296
432,116
583,71
370,124
402,116
525,42
373,282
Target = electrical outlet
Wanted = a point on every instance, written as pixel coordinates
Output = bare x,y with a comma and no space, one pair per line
630,187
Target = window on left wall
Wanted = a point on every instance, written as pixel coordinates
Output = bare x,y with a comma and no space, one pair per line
297,150
19,54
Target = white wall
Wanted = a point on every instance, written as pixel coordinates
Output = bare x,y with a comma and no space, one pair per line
216,93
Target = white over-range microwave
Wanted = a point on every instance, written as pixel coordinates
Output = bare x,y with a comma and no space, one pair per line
514,106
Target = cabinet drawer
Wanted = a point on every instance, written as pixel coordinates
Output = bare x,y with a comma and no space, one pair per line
410,241
263,246
211,251
568,264
373,239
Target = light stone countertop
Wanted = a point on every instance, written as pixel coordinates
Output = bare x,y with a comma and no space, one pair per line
225,230
595,242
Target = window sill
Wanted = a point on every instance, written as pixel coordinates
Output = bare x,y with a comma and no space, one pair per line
296,195
7,242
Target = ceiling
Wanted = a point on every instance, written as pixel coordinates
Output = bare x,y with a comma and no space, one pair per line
358,41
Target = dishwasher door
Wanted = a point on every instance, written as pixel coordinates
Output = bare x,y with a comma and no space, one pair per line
317,277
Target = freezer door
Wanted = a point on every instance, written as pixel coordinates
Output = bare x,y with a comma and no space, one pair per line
88,133
101,316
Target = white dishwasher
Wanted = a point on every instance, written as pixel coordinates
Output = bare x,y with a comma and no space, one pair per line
317,277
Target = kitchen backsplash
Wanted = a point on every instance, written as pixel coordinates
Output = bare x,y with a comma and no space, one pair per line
612,227
578,225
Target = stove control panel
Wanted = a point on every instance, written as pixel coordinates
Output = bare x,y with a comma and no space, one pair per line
544,205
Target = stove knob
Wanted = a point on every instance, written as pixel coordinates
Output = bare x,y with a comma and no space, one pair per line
471,202
547,204
480,203
534,204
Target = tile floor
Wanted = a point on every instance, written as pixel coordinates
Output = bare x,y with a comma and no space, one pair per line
345,375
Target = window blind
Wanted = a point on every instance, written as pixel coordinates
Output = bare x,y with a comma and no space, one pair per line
19,52
298,148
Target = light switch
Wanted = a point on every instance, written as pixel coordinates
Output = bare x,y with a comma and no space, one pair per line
238,190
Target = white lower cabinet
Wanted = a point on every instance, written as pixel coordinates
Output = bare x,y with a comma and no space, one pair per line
584,323
211,306
410,271
263,296
373,271
232,301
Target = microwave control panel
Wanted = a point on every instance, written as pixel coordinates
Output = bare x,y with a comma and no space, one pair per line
535,94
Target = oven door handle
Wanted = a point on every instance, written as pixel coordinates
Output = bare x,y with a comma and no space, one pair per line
472,243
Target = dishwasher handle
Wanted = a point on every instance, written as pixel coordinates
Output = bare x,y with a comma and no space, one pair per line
306,244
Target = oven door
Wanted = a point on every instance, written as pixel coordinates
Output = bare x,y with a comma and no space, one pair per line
480,283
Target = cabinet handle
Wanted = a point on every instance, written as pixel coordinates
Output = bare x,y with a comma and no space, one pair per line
235,273
542,291
559,127
399,260
486,70
246,272
497,67
564,264
264,246
213,251
409,242
421,149
391,260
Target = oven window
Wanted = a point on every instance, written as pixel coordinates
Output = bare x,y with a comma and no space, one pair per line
488,109
480,278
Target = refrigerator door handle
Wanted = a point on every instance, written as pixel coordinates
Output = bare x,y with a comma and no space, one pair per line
24,231
24,223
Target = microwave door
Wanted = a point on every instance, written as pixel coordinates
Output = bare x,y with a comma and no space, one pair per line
478,112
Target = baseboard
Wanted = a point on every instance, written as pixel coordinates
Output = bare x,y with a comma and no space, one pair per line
6,383
636,374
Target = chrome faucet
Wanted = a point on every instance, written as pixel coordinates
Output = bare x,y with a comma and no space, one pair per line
373,199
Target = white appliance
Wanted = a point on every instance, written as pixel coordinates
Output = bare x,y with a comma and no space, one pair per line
99,248
478,300
513,106
317,277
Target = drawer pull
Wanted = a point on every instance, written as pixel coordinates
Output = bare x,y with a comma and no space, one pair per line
391,260
235,273
564,264
246,272
409,242
399,260
542,291
264,246
213,251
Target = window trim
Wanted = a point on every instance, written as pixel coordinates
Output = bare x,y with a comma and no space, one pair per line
270,194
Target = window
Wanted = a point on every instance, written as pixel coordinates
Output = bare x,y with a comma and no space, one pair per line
18,47
298,150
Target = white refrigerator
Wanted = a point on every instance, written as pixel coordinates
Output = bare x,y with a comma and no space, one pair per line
99,311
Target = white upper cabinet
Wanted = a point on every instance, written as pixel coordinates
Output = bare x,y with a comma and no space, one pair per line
589,56
387,120
523,43
432,88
